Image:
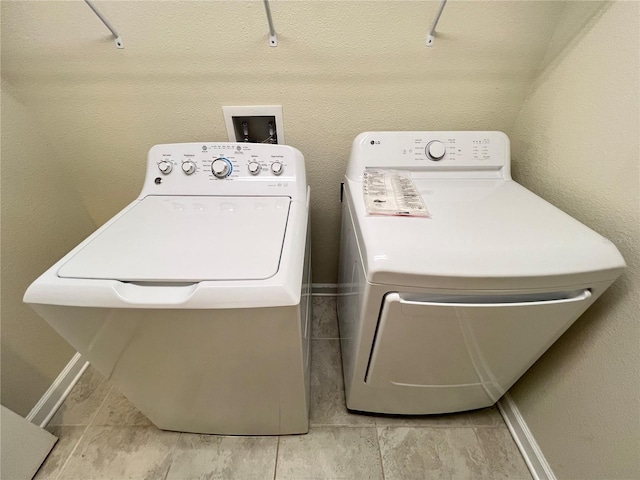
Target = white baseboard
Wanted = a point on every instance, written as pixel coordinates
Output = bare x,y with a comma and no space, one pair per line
58,391
533,456
324,289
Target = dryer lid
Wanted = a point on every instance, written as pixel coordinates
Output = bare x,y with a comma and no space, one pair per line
481,233
187,239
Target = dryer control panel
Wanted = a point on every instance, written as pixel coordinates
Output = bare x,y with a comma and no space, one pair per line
463,153
224,168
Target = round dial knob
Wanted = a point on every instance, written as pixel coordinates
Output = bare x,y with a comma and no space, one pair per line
221,167
254,168
277,168
435,150
165,167
188,167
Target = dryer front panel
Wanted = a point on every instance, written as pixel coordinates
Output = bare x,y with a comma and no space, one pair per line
488,341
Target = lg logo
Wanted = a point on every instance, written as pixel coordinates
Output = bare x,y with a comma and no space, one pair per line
375,142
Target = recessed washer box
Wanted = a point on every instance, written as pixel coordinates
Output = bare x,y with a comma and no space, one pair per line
254,123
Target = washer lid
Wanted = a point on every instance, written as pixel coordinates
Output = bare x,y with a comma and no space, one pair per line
187,239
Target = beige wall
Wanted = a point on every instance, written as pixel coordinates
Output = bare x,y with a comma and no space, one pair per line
42,218
576,143
341,68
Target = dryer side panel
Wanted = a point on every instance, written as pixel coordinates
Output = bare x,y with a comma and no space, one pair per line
350,286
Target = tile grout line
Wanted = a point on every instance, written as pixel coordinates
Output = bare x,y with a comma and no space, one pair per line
93,417
73,450
171,452
86,427
406,425
487,457
379,450
342,425
104,400
487,461
275,467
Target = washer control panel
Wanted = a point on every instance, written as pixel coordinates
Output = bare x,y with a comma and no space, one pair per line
224,165
224,168
464,151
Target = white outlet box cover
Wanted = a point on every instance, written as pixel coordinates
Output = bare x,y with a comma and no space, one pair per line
253,111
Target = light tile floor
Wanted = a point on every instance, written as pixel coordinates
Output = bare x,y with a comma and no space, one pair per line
102,436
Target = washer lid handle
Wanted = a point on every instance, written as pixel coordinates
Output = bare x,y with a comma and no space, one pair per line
140,293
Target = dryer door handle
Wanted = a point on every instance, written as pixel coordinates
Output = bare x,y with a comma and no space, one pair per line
492,301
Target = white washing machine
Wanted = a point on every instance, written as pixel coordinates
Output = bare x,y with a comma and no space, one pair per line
444,314
194,300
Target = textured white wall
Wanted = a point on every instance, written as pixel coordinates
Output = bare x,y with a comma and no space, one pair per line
342,67
577,143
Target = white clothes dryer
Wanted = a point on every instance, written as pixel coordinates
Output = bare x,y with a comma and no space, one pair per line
444,314
194,300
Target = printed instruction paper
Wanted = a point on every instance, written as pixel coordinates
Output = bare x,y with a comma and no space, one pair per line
392,192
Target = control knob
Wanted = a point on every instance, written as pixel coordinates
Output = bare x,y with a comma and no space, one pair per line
277,168
254,168
165,167
221,167
188,167
435,150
